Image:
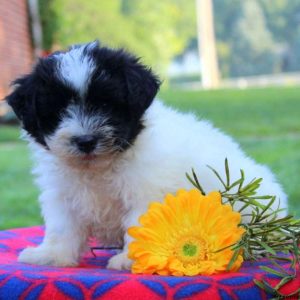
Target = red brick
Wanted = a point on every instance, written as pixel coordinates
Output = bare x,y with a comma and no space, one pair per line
16,53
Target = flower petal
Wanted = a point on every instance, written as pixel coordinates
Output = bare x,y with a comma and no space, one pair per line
182,235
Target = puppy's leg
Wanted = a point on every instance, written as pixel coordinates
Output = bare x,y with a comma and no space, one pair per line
121,261
64,239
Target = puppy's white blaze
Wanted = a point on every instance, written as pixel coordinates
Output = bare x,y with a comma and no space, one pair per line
85,123
76,67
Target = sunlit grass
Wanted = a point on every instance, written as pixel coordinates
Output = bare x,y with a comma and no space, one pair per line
265,121
18,196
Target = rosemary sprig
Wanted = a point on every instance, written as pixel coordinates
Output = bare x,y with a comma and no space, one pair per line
267,234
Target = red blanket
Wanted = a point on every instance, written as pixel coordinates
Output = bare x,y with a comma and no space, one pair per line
92,281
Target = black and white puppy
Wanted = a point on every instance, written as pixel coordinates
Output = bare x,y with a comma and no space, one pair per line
104,149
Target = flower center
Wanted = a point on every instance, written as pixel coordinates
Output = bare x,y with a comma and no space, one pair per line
191,250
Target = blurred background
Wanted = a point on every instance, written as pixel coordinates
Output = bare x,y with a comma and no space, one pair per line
235,62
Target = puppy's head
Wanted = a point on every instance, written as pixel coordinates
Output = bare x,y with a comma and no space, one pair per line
84,103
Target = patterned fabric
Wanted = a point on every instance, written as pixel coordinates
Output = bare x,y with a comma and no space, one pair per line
92,281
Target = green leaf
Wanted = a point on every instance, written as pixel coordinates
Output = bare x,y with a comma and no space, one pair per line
191,180
266,247
218,176
265,286
256,203
242,180
284,281
233,259
227,172
237,182
272,271
197,182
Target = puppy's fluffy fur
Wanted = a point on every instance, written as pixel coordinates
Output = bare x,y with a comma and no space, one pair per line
104,149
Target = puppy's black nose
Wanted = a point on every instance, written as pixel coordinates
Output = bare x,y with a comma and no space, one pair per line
85,143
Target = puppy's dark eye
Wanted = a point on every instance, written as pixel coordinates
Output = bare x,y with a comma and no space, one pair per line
104,104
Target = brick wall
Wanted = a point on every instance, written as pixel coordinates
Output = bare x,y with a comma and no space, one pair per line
16,53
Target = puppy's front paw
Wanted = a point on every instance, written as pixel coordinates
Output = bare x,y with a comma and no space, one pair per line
46,256
120,262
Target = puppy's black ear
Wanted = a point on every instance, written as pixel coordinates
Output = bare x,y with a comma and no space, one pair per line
142,85
17,99
23,102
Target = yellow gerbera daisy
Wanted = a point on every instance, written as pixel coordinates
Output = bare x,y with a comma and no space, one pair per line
182,236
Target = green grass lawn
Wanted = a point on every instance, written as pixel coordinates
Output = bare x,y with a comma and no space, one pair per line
18,196
265,121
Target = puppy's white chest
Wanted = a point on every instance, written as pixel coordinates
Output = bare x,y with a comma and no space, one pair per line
95,203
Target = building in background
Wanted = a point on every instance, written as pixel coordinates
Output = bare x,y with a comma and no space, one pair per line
16,51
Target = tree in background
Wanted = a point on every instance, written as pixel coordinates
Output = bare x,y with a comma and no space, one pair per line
257,36
253,36
245,43
154,30
226,12
283,20
252,45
